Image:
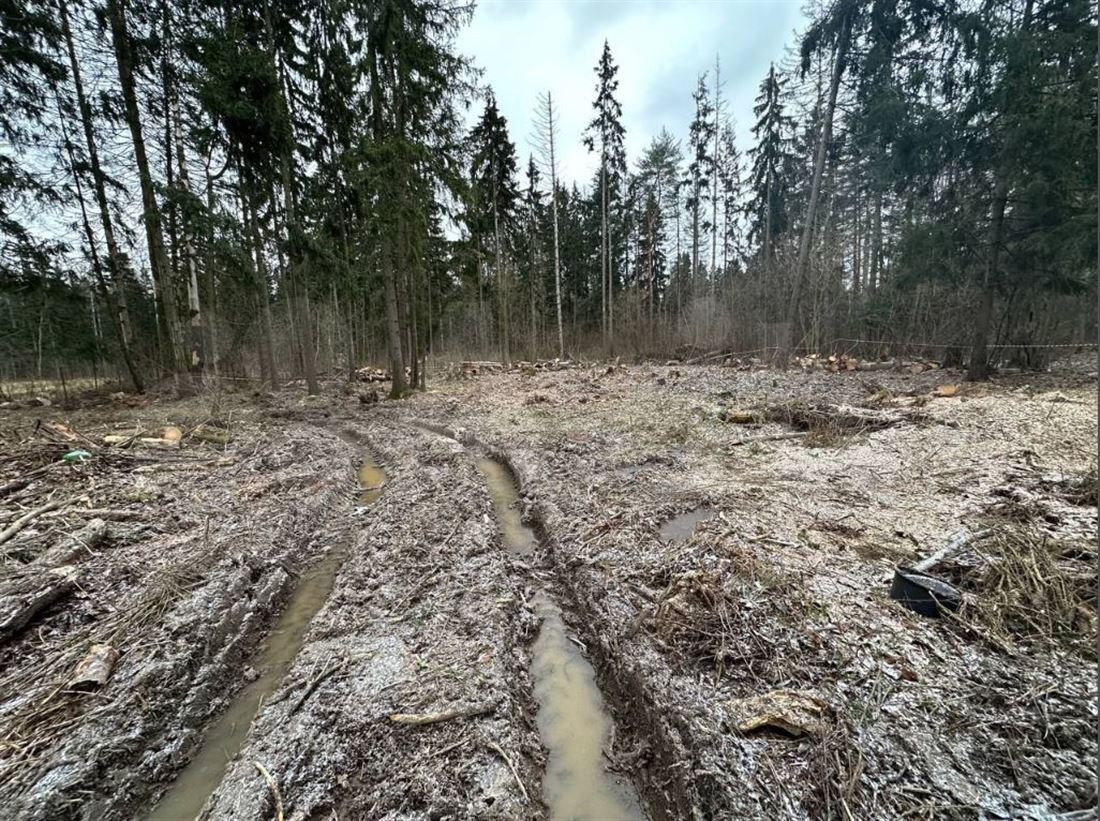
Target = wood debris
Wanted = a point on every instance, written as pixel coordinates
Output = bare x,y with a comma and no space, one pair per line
795,712
95,668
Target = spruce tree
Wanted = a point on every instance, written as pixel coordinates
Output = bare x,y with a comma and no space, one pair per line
604,135
770,169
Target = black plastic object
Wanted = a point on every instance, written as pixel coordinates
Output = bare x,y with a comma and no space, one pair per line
923,594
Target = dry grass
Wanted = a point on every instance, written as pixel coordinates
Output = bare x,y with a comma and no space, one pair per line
834,767
1034,591
728,613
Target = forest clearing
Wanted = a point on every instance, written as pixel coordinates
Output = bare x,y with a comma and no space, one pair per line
582,410
749,660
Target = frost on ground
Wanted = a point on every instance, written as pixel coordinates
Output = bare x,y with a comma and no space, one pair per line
721,544
834,481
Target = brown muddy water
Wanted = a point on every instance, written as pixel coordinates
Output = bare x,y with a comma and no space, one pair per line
679,528
572,719
371,480
518,538
225,737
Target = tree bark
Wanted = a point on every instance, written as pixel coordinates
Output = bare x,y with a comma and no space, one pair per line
176,353
554,206
805,242
979,350
116,294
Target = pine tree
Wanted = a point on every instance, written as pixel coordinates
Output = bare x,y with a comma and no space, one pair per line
768,178
659,172
605,135
495,198
728,188
701,168
27,68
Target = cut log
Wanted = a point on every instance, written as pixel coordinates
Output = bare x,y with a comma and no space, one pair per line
25,599
95,668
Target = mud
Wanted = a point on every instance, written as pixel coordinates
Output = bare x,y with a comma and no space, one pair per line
679,528
786,586
661,636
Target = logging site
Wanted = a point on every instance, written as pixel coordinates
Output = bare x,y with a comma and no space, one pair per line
566,410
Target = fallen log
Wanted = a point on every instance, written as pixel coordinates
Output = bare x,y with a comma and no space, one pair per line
29,517
29,596
72,545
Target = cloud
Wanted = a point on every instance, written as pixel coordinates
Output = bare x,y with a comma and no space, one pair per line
530,46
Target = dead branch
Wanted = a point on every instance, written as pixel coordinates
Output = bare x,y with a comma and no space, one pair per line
29,517
313,685
497,749
953,546
274,787
421,719
774,437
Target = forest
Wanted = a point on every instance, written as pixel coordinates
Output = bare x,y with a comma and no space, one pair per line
194,189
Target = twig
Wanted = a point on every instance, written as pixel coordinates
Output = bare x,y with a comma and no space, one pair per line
497,749
420,719
774,437
313,685
29,517
274,787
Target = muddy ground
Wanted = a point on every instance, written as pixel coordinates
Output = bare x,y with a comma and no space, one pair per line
750,656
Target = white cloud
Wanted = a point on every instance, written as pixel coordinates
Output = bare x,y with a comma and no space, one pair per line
528,46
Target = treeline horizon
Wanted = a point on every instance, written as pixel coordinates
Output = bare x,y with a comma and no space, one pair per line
192,189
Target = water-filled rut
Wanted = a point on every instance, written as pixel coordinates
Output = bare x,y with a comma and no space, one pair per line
573,721
224,738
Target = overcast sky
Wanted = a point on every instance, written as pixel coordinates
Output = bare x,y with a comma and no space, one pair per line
660,46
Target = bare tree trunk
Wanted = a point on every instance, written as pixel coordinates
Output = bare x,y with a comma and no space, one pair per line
208,279
979,350
124,59
194,306
267,340
714,187
298,291
554,206
393,325
603,249
116,294
802,267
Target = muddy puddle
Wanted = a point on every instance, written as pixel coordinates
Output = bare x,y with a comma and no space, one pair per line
573,722
371,481
574,726
679,528
224,738
518,537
